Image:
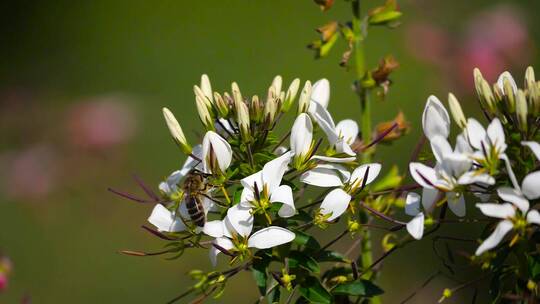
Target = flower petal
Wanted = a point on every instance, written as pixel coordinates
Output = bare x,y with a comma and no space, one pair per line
240,219
343,147
495,133
335,203
476,133
533,217
301,135
213,228
348,130
412,204
495,238
334,159
320,92
283,194
456,164
531,185
435,119
324,120
506,75
164,220
425,176
221,149
273,171
270,237
534,146
322,177
462,145
456,203
429,196
502,211
222,242
359,173
415,227
473,177
509,170
440,147
515,197
249,182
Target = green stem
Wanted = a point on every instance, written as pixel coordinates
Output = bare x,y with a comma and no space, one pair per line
366,255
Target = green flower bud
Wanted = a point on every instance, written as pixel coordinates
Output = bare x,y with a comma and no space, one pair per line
277,83
206,87
305,96
176,131
242,118
256,109
521,110
204,114
222,106
484,92
456,111
529,78
291,95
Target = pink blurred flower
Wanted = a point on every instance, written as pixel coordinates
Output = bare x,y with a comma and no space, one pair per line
100,123
30,173
427,42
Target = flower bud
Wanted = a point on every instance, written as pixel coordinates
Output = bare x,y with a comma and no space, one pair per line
530,81
256,109
509,90
222,107
305,96
521,110
206,87
176,131
291,95
456,111
204,114
237,96
200,94
270,110
276,84
242,118
484,92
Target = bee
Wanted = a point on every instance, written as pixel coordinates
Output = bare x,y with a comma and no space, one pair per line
194,188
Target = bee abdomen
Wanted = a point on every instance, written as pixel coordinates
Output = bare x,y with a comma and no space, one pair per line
196,211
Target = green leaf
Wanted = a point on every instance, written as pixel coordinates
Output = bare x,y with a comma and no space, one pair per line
274,296
534,266
298,259
236,196
384,18
358,288
312,290
260,264
331,256
306,240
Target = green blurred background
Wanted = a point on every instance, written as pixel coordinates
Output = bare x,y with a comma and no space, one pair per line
81,88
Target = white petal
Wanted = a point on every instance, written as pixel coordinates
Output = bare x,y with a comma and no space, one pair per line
515,197
322,177
334,159
415,227
273,171
283,194
534,146
412,204
360,172
502,211
224,128
191,162
476,133
473,177
320,92
336,203
323,118
240,218
456,203
213,228
435,119
495,133
508,76
456,164
164,220
423,175
509,170
250,181
531,185
462,144
301,135
495,238
348,130
533,217
343,147
270,237
221,149
429,197
224,243
440,147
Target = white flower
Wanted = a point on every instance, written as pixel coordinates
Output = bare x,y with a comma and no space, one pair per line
415,226
216,154
333,175
302,143
260,191
534,146
510,219
449,175
340,136
508,77
435,119
238,242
